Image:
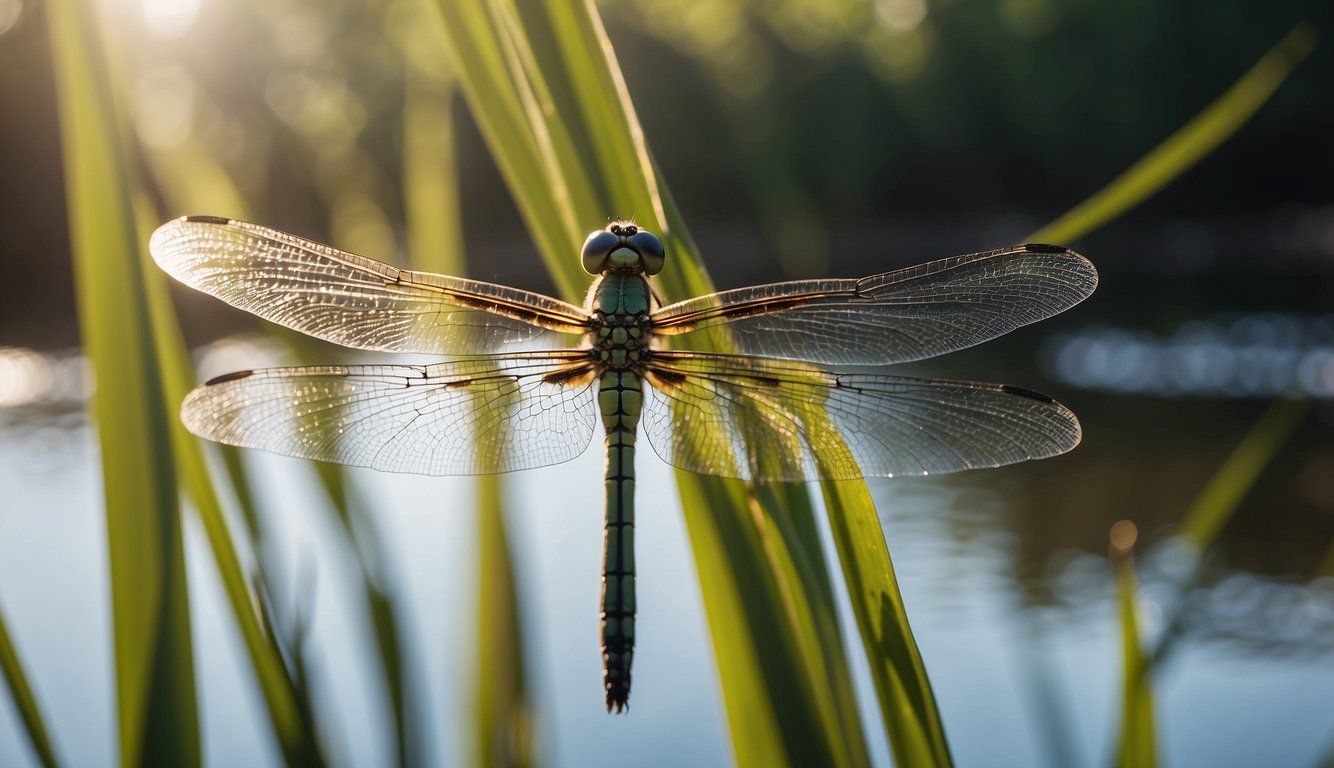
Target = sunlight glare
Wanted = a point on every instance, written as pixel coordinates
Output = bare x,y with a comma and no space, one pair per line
26,376
164,108
901,15
810,27
170,18
31,377
235,353
897,55
1122,536
10,11
321,107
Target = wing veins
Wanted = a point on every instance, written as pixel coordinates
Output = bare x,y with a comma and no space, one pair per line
908,314
470,416
886,425
350,299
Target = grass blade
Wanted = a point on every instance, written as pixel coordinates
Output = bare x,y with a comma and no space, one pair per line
1220,498
1212,508
1138,743
907,704
24,700
154,657
295,737
484,76
1223,494
504,727
1191,142
430,180
760,622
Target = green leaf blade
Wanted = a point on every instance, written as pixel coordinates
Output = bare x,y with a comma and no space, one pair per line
16,680
504,728
156,697
1138,747
910,715
1183,149
1223,494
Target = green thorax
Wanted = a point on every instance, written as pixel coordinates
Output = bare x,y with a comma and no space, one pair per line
620,305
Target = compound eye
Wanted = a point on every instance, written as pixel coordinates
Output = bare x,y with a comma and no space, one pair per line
650,251
597,248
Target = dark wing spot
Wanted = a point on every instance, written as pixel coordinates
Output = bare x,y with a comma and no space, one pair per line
495,306
1045,248
564,377
207,219
765,307
1020,391
668,378
226,377
460,384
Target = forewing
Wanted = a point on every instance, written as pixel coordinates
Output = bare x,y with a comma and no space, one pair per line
766,420
895,317
463,417
352,300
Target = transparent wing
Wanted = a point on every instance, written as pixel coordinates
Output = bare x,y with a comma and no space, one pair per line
895,317
463,417
352,300
770,420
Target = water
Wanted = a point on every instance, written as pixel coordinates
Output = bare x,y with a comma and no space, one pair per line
1002,571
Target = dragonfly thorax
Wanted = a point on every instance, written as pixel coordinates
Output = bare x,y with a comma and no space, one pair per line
622,247
620,327
620,341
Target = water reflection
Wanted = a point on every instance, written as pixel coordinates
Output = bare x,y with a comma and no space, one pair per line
1261,615
239,353
954,536
986,556
43,425
1227,355
29,377
1161,412
34,379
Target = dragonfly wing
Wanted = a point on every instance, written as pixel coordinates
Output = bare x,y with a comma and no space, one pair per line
895,317
772,420
464,417
352,300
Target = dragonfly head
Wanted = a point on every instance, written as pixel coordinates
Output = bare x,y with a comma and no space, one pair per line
622,247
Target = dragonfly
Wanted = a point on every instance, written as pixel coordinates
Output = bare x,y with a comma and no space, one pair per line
529,378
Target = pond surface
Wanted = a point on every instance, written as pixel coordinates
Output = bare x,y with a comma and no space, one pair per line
1003,571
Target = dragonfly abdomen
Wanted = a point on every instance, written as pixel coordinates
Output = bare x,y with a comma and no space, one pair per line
619,396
